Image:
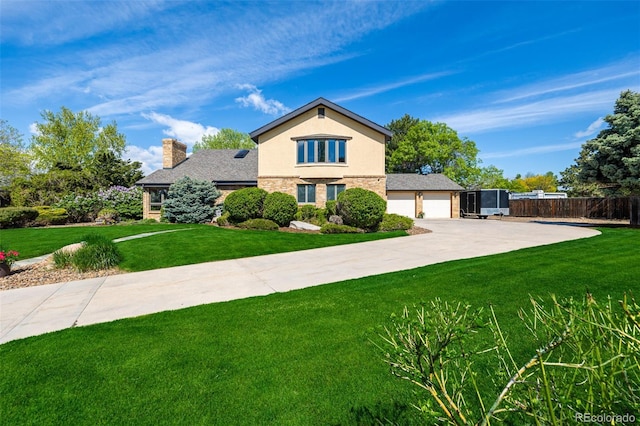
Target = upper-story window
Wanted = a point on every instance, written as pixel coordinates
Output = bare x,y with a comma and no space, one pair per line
322,151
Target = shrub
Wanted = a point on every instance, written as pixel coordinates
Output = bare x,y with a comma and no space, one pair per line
223,220
16,217
50,216
361,208
62,258
306,212
127,202
98,252
80,208
261,224
330,208
109,215
280,208
332,228
245,204
190,201
395,222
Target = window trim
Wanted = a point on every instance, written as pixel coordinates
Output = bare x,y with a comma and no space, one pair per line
318,147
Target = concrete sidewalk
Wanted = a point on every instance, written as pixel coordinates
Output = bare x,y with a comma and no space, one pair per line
37,310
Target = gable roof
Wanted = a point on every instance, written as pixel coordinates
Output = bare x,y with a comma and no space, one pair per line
320,101
416,182
212,165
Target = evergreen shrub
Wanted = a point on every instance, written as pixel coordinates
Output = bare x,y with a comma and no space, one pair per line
280,208
50,216
261,224
190,201
361,208
16,217
245,204
332,228
395,222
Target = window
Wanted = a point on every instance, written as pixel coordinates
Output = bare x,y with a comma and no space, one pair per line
320,112
306,193
321,151
334,190
157,197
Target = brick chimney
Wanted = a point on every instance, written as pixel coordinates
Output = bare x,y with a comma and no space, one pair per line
173,153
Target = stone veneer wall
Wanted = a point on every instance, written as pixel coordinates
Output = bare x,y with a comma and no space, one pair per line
289,185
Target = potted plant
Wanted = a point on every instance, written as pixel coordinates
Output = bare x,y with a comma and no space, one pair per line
7,257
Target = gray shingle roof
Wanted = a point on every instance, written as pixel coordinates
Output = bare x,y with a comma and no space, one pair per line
416,182
213,165
320,101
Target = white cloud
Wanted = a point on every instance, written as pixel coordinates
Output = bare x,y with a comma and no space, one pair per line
151,158
540,112
592,129
33,129
531,151
256,100
185,131
391,86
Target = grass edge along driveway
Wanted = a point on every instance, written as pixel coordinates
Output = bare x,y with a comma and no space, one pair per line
302,357
201,243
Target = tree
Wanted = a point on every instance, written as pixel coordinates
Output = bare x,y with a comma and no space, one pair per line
612,159
14,161
225,139
190,201
436,148
71,140
400,128
109,170
489,177
570,183
547,182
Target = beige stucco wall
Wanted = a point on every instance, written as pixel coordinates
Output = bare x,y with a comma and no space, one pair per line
364,150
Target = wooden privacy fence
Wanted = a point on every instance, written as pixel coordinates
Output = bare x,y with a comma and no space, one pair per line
596,208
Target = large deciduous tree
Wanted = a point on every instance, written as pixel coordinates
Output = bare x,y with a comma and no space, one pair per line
400,128
225,139
68,140
14,160
436,148
612,159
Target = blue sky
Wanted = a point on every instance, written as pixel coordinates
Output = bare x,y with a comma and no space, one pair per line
528,82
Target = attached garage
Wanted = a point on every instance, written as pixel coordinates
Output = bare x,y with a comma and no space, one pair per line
435,195
402,203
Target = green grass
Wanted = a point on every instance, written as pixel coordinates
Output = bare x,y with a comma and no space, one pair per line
192,244
303,357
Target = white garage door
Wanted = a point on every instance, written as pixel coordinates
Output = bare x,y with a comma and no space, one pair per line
436,205
402,203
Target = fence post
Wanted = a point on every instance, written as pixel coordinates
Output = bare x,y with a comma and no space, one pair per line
634,211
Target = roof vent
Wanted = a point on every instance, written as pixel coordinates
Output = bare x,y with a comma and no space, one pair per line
241,154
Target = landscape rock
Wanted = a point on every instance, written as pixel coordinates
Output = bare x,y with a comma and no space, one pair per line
296,224
334,218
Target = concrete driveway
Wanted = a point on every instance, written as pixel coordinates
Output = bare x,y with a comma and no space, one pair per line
37,310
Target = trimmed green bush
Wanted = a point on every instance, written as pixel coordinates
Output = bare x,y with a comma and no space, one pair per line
280,208
190,201
261,224
330,208
332,228
245,204
223,220
108,215
306,212
395,222
361,208
16,217
50,216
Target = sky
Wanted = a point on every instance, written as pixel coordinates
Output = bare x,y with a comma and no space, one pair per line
528,82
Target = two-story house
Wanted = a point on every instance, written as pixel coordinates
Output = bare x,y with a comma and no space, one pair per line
312,153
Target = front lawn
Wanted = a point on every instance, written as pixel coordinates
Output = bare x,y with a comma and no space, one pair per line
189,245
304,357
